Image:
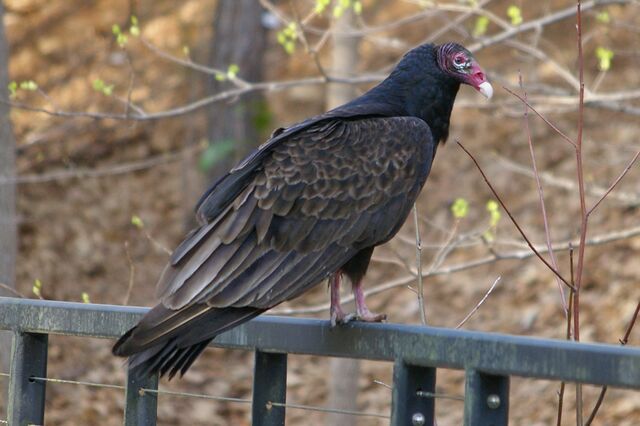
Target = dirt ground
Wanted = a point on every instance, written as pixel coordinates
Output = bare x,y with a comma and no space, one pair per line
73,230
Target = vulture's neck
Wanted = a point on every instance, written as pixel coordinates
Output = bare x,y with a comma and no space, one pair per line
429,98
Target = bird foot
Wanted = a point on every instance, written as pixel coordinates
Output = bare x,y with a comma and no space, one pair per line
371,317
339,317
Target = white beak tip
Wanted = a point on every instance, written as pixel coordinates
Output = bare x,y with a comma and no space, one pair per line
486,89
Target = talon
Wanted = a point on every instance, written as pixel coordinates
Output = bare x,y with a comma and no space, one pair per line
339,317
347,318
371,317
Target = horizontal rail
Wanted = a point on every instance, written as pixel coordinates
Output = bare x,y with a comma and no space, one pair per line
490,353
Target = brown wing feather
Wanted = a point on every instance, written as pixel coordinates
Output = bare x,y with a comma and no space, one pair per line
321,195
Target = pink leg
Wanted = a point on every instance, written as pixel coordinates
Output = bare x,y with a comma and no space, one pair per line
337,314
364,314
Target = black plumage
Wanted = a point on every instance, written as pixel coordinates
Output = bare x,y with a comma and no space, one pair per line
310,203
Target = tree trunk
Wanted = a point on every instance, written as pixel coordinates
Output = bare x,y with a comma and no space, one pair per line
239,38
7,170
8,232
343,392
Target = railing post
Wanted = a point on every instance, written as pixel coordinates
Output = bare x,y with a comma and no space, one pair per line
269,386
413,395
141,408
486,399
26,396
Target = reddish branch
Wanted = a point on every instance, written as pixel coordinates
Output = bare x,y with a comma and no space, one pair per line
545,217
549,123
623,342
615,183
515,222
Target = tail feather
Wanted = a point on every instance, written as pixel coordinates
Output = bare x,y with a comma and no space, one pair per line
167,341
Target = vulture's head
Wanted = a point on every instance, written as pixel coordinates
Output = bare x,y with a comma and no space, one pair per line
459,63
428,69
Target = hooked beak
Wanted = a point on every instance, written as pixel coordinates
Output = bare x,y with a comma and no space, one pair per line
478,79
486,89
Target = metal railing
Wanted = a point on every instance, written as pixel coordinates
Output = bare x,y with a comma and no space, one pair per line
487,358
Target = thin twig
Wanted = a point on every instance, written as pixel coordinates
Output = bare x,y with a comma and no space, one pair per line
568,336
421,306
12,290
132,271
128,102
540,22
475,309
623,342
584,217
117,169
303,38
580,172
515,222
200,103
449,244
615,182
156,243
380,382
545,218
627,198
549,123
547,60
237,81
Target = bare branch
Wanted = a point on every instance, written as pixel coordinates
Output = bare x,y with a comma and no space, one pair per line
117,169
541,22
615,182
12,290
623,342
628,198
192,65
545,218
200,103
421,306
542,56
515,222
132,271
553,126
475,309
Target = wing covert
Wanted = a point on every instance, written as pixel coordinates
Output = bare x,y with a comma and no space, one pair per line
317,198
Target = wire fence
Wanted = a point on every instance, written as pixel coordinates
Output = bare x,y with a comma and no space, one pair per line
416,351
142,391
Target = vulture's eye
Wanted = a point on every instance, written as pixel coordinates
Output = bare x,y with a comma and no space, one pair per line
459,61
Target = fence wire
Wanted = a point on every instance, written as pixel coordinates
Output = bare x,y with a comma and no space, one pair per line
143,391
326,410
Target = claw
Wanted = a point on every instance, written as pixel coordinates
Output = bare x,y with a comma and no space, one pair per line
371,317
341,318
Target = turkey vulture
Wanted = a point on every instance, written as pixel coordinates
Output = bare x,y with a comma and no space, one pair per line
309,204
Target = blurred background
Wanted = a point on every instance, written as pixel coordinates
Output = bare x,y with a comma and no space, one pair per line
122,112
